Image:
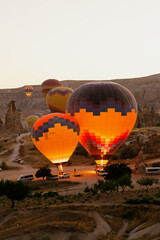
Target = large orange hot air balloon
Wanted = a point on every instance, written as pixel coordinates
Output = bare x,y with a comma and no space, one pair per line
56,136
57,98
106,113
47,85
28,90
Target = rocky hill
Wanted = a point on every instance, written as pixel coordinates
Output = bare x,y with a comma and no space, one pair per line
146,90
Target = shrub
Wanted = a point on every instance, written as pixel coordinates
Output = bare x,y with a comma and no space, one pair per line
147,182
4,166
50,194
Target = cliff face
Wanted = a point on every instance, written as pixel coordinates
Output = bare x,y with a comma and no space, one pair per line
12,119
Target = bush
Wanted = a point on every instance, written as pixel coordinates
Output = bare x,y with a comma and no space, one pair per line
50,194
4,166
37,195
147,182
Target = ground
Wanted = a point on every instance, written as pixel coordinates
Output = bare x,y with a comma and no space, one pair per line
75,214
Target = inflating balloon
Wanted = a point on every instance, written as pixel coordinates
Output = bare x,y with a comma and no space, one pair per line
28,90
47,85
106,113
31,120
56,136
57,98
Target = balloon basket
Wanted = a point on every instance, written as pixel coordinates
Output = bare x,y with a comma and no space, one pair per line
101,163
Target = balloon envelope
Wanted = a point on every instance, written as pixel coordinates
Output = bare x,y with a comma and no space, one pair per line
57,98
47,85
28,90
56,136
106,113
31,120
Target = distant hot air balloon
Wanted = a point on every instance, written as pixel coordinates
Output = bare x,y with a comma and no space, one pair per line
47,85
57,98
106,113
31,120
56,136
28,90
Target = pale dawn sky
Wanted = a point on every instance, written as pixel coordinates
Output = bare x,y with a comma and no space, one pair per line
78,40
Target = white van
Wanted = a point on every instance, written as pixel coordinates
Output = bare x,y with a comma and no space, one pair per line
153,170
26,177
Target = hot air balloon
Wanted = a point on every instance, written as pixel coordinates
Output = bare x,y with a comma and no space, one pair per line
56,136
106,113
31,120
28,90
57,98
47,85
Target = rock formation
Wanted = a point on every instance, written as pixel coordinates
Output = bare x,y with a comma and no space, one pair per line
12,119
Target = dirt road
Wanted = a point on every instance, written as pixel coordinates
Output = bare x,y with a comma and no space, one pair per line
87,177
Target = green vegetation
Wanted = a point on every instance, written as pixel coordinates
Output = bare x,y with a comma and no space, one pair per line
120,174
147,182
14,190
3,165
43,172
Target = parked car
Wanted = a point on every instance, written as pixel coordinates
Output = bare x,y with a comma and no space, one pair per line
15,160
52,177
26,177
18,160
101,172
64,175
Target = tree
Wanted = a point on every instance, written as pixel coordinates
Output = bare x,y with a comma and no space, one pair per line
125,181
2,187
116,171
16,190
147,182
43,172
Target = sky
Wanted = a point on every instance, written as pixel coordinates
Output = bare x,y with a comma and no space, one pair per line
77,40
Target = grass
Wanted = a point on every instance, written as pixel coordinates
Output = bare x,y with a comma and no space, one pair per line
47,185
47,219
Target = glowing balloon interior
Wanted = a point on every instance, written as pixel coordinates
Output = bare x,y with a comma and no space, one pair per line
106,113
57,98
47,85
56,136
28,90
